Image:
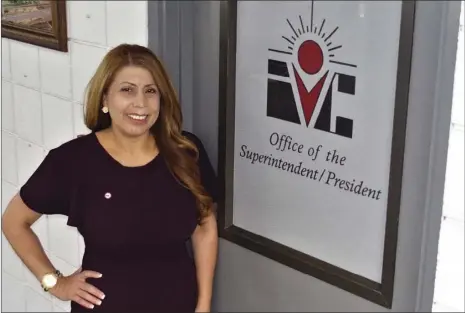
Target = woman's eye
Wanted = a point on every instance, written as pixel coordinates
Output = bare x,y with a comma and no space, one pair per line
125,89
152,90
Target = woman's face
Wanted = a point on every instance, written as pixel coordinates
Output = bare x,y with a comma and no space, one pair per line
133,101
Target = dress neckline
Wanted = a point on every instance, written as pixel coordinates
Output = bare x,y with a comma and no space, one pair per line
116,162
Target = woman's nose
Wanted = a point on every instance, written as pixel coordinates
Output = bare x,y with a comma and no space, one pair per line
139,101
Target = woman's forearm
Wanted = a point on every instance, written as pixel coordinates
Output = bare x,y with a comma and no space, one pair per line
25,242
205,244
27,246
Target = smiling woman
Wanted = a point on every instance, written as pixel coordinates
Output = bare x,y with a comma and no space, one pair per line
139,190
132,101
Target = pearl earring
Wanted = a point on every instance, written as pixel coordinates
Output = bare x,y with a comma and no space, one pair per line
105,110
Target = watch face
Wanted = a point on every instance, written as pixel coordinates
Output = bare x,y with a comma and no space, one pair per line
49,280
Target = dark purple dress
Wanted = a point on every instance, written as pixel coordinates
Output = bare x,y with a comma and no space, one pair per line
136,223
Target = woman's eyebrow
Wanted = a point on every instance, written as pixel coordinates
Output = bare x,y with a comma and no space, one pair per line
126,82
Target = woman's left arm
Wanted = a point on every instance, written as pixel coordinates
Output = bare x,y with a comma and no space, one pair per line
205,236
205,246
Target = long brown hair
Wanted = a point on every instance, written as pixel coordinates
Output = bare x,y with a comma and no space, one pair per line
179,152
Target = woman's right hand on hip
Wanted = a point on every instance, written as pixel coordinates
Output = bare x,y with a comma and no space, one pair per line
75,288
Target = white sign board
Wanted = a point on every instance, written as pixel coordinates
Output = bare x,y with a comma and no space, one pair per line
314,117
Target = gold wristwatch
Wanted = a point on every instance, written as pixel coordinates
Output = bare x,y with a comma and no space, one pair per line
49,280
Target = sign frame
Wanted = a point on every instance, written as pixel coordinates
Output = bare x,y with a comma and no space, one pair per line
379,293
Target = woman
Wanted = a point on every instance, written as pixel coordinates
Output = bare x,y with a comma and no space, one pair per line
138,189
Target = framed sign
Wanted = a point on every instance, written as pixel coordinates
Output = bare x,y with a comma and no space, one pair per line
313,111
37,22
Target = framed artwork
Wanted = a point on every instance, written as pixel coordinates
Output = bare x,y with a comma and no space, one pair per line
41,23
313,113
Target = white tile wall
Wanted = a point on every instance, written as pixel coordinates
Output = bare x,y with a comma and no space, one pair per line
87,23
9,163
28,156
84,62
55,73
78,115
68,238
42,95
7,106
25,64
28,114
125,21
37,302
6,68
57,120
8,191
13,297
11,262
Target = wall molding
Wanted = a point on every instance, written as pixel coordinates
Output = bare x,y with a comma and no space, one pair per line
440,129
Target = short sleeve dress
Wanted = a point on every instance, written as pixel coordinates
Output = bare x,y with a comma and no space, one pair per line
136,223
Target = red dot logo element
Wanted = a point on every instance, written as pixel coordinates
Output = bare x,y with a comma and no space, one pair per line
310,57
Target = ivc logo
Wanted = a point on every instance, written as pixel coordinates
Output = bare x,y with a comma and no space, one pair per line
301,84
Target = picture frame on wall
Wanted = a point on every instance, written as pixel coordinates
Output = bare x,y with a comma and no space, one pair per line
312,123
37,22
